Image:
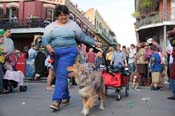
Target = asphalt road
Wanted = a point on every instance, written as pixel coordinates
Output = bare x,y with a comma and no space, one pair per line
36,101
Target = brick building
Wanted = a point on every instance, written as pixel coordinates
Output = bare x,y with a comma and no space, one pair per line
102,28
29,17
154,20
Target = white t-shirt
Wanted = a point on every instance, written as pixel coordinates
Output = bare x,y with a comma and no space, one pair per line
170,49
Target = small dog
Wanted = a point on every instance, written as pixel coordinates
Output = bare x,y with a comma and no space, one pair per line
135,78
91,86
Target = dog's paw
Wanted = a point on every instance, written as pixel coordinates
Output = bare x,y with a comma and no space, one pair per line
85,112
101,108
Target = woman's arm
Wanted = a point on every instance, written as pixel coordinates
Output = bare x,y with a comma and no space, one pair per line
82,37
46,39
113,57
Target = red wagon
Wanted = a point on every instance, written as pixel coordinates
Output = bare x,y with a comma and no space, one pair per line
116,80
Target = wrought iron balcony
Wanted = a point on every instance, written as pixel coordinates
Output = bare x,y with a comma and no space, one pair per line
148,20
32,23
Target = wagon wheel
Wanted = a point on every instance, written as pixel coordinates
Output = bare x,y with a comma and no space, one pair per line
118,95
127,89
106,90
126,92
10,87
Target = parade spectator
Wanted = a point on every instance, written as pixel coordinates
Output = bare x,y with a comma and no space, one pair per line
155,43
131,60
2,59
8,42
140,62
126,52
60,40
109,55
80,57
155,68
98,60
29,20
51,74
32,52
148,56
40,69
169,51
91,57
118,57
8,45
160,84
172,76
25,51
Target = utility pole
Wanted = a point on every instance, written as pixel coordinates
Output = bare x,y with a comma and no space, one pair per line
164,25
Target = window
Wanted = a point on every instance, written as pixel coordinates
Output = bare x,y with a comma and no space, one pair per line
173,9
100,27
50,14
12,14
95,22
1,12
12,11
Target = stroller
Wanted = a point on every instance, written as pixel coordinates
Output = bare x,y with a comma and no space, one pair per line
13,77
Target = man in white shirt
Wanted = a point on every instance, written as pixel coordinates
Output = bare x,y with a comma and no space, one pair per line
32,52
8,44
131,61
169,50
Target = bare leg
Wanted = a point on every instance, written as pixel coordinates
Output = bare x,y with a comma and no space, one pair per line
50,79
102,95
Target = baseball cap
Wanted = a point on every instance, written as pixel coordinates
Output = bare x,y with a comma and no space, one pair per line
2,32
149,41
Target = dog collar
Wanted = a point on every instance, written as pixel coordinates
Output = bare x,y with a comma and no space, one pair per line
81,87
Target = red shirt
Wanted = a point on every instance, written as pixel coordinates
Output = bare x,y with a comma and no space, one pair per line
91,57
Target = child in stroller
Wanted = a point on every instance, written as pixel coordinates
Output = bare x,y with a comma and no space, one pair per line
13,77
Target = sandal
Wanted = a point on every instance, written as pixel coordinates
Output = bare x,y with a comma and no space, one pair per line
55,106
49,88
65,102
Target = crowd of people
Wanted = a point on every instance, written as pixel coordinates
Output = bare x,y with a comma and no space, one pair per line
147,59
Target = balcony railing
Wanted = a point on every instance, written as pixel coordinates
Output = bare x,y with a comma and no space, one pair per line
33,23
153,20
148,20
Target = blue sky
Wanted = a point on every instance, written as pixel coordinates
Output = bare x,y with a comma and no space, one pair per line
118,15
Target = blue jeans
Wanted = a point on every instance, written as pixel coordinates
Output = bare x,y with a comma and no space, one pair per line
172,86
1,78
63,57
132,67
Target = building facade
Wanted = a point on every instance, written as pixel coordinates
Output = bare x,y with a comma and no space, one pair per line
101,27
29,17
153,19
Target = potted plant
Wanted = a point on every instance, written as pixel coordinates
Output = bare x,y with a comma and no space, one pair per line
145,4
136,14
153,13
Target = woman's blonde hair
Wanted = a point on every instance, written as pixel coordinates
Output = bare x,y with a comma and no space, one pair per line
111,49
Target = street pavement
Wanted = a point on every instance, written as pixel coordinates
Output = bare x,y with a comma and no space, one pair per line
36,101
